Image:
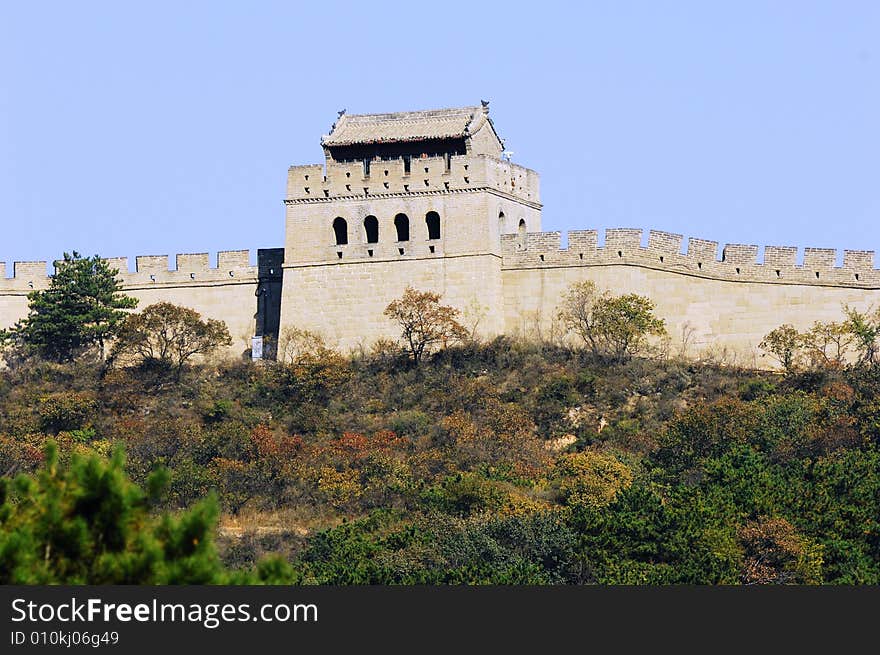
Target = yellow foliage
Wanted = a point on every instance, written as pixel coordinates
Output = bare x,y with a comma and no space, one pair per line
591,478
339,486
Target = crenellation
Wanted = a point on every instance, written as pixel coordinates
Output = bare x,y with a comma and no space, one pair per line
30,272
858,260
118,263
780,256
819,258
192,262
345,178
349,179
305,181
583,242
739,263
151,264
623,239
546,242
191,269
743,255
664,242
702,250
233,259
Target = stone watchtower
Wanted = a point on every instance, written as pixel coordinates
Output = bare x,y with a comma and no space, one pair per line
412,198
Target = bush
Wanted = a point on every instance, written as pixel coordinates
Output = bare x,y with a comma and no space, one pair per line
66,410
88,524
614,327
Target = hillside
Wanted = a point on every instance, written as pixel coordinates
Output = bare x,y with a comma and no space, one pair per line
504,462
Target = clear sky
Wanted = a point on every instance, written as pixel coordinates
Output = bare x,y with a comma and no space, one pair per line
163,127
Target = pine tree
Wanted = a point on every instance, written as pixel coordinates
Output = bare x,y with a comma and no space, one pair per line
89,524
79,312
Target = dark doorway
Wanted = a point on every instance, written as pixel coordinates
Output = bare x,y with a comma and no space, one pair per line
270,263
432,219
371,228
401,223
340,229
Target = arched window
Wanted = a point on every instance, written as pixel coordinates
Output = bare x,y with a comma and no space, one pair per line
521,234
501,226
401,223
340,229
371,228
432,219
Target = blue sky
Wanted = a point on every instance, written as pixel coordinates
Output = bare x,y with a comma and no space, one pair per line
164,127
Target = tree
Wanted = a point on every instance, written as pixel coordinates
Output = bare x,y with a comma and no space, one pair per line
784,344
167,336
616,327
80,311
576,312
88,523
865,329
625,322
826,344
424,322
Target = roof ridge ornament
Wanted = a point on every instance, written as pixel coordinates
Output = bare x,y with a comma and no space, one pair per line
339,115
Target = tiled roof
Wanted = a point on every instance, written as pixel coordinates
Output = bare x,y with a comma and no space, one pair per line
405,126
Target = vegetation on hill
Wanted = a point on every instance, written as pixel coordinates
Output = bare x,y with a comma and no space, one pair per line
503,462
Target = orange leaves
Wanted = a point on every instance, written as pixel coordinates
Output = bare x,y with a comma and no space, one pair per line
269,447
226,466
354,446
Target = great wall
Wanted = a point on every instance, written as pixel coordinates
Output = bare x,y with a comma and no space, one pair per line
427,199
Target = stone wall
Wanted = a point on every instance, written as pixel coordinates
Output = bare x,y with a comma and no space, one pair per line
345,301
715,299
312,182
711,304
226,292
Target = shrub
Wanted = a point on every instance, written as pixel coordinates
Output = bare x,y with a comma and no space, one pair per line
591,478
66,410
614,327
784,344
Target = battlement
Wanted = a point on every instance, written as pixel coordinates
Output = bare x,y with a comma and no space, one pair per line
738,262
233,266
405,176
26,277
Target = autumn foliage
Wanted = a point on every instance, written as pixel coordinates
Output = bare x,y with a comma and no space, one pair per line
494,463
424,322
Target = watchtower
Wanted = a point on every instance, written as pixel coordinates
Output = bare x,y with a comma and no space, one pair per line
418,198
